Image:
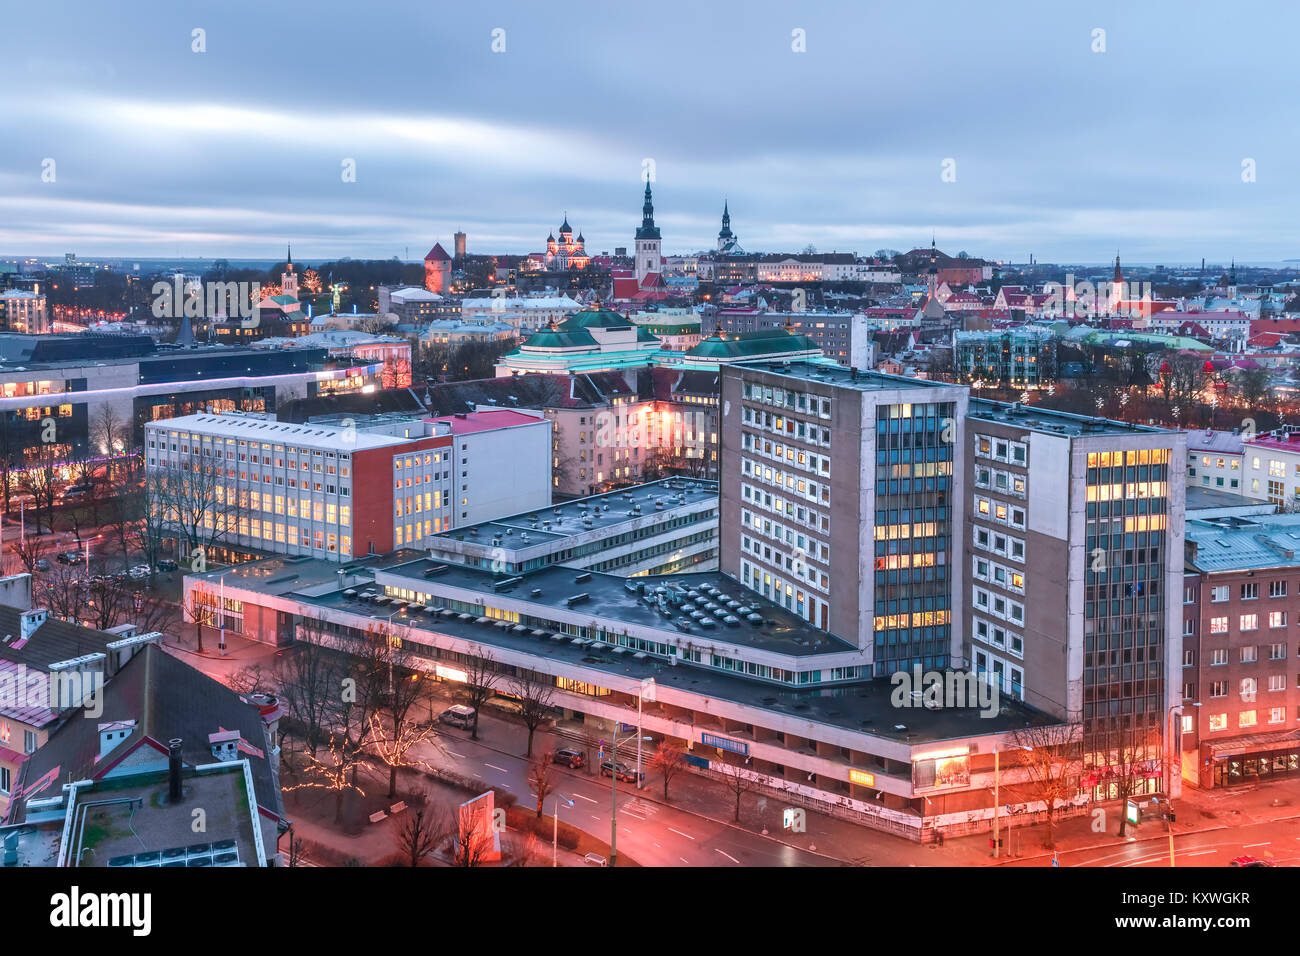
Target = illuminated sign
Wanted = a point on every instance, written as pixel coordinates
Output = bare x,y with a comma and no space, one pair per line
862,777
451,673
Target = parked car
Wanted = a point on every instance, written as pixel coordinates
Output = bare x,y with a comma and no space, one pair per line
42,564
69,557
166,564
140,572
458,716
567,757
624,772
1249,861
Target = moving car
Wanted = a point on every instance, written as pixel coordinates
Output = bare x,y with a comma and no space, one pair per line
458,716
42,564
568,757
624,772
1248,861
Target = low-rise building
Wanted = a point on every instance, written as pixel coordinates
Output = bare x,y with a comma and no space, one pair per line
1241,602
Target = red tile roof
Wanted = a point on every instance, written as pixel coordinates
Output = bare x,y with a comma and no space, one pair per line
437,253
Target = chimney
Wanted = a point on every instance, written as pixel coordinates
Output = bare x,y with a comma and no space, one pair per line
174,770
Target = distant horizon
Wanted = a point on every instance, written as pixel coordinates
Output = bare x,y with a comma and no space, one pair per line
309,260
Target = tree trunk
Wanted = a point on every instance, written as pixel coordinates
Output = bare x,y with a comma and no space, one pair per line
392,783
198,629
530,747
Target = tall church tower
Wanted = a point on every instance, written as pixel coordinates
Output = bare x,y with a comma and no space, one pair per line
1116,287
288,279
647,240
726,238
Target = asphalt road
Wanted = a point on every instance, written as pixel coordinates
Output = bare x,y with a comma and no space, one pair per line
1278,842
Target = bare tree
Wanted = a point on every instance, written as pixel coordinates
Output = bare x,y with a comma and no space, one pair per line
480,684
738,781
536,703
669,760
394,739
335,769
310,680
201,609
194,505
542,782
1052,758
471,839
423,832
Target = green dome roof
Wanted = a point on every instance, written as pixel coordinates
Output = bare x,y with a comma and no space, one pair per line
548,339
596,318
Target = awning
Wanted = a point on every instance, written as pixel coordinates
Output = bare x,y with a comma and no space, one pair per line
1256,743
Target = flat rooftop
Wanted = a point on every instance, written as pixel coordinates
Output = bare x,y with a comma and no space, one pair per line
558,521
863,707
1034,418
782,631
841,377
1243,543
255,428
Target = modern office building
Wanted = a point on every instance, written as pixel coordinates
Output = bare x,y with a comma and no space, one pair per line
660,527
742,683
337,491
1073,546
74,380
840,503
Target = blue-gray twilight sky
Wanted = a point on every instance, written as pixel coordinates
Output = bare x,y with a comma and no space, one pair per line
1059,150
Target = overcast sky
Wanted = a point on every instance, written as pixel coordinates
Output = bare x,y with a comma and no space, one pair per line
1058,151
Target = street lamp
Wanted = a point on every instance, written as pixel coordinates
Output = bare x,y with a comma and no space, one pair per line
644,691
1178,749
555,836
613,790
997,782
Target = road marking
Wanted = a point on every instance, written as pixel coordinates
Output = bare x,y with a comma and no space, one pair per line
684,860
658,846
1201,853
1249,845
728,856
594,817
495,767
681,834
581,797
453,753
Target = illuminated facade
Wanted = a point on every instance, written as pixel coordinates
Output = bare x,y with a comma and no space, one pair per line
566,252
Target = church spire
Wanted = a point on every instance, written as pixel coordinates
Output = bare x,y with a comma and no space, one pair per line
288,252
648,228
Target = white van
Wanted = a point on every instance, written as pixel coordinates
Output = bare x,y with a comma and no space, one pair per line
459,716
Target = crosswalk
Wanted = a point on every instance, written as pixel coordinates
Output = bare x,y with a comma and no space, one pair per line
641,809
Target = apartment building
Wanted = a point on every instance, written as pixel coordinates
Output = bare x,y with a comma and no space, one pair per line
24,311
844,337
1271,466
336,491
1024,356
1214,461
1240,673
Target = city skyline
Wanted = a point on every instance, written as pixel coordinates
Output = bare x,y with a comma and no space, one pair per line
226,152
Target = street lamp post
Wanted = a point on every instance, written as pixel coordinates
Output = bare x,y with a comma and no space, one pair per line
643,690
1175,748
613,791
555,836
997,803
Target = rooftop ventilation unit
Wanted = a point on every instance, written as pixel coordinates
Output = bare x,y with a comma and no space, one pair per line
585,576
577,599
436,570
